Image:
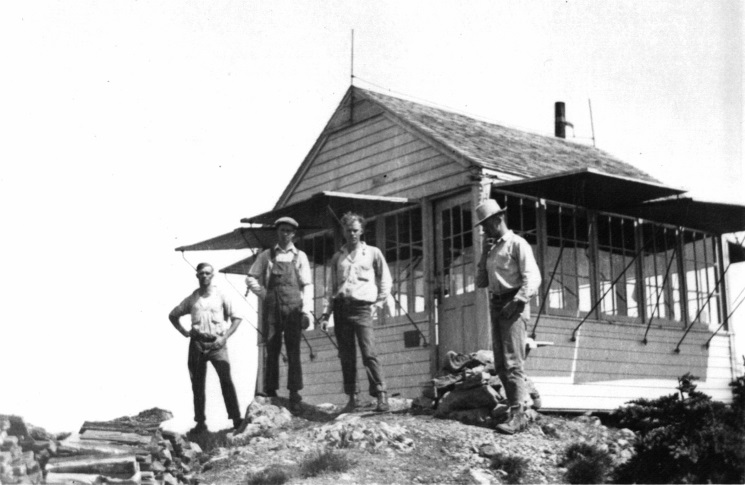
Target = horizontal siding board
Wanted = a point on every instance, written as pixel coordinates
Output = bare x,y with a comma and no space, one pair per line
405,182
411,157
355,132
326,162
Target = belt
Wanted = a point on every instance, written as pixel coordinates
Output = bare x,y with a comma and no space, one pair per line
504,297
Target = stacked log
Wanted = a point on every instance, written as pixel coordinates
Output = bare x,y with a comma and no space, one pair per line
125,451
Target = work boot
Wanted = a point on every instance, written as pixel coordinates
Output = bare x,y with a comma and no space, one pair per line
383,406
295,399
517,422
200,428
351,404
237,423
536,398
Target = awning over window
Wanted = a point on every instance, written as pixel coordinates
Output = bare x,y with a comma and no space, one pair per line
590,188
321,210
240,238
715,217
240,267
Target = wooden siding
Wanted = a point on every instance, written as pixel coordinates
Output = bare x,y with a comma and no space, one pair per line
405,369
608,364
379,157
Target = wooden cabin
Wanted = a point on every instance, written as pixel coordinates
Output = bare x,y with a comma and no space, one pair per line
634,290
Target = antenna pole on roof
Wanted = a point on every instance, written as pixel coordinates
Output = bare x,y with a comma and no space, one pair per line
351,76
592,124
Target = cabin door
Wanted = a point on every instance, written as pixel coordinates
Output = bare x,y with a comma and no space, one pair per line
456,276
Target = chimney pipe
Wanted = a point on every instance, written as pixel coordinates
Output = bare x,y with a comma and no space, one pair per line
560,121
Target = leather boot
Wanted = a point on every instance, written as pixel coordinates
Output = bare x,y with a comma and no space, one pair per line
383,405
517,422
352,404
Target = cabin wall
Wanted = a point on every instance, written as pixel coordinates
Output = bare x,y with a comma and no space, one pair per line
608,364
405,369
378,157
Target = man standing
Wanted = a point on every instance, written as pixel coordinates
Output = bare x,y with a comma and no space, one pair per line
281,278
508,268
359,286
209,308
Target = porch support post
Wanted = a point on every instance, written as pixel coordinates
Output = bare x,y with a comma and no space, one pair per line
480,192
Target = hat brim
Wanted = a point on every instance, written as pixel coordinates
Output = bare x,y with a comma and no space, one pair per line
501,211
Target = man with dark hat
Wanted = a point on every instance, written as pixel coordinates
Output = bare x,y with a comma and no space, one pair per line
508,268
209,308
281,278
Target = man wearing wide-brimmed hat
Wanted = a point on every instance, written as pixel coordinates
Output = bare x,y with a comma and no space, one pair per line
281,278
508,268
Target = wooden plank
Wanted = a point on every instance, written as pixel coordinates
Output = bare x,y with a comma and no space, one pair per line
116,437
118,466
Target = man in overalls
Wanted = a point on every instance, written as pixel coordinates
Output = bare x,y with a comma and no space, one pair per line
281,278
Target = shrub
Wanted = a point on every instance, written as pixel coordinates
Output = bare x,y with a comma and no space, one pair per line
326,461
685,438
514,466
586,463
272,475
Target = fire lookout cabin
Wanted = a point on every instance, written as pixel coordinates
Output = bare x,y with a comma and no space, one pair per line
634,290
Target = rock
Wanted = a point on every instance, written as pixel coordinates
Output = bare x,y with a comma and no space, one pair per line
551,430
627,433
479,477
488,450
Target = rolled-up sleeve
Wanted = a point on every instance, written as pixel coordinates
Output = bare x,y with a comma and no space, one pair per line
305,280
531,275
331,285
383,274
256,275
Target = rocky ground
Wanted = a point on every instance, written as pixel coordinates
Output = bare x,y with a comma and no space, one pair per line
404,446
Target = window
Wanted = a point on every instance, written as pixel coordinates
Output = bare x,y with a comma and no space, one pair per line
404,253
459,269
618,286
319,248
568,247
701,270
660,273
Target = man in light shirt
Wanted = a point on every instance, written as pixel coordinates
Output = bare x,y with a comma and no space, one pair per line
281,278
359,285
209,308
508,268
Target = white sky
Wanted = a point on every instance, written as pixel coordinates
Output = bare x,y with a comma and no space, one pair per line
128,128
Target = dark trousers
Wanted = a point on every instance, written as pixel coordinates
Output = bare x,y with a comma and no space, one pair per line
354,320
508,343
198,358
292,332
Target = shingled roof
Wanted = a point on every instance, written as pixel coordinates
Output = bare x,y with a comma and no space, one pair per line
499,148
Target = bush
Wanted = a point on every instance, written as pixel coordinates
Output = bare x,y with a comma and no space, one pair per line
327,461
586,463
514,466
685,438
272,475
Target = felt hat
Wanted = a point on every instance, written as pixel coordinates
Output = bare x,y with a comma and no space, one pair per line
487,209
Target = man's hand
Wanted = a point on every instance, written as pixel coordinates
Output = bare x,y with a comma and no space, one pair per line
305,320
219,342
324,322
511,309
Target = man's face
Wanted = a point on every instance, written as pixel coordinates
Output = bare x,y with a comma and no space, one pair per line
204,276
491,226
353,232
285,233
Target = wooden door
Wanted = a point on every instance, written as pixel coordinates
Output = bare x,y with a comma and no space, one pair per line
458,329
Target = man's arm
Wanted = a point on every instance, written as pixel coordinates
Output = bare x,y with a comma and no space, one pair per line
222,340
256,275
306,282
482,274
531,275
383,275
175,317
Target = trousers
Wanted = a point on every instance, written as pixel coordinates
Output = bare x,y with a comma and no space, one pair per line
197,363
509,336
353,320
